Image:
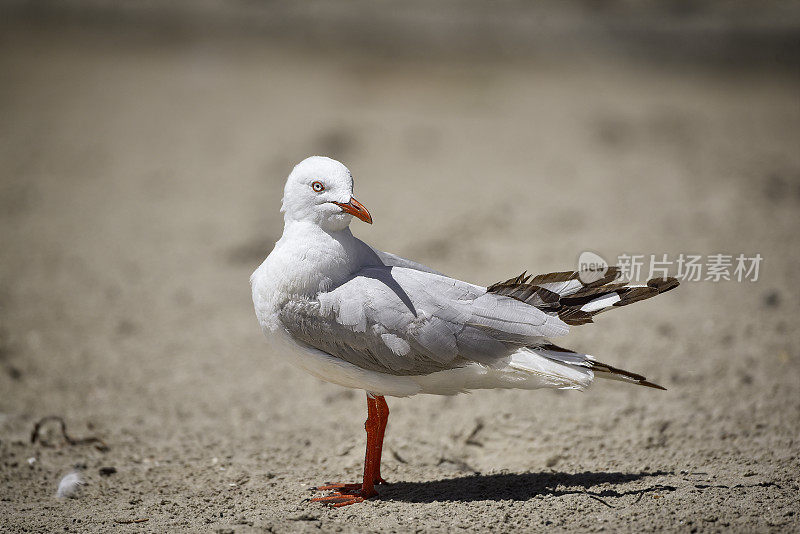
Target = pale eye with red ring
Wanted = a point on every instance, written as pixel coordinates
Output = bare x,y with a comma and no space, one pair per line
317,187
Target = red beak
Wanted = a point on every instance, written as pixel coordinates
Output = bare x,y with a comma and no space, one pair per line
356,209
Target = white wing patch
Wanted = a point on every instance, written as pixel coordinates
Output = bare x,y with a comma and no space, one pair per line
350,312
601,302
397,345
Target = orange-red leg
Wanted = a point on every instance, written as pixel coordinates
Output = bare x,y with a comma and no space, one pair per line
375,425
383,418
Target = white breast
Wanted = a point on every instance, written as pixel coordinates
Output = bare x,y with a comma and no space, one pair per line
300,267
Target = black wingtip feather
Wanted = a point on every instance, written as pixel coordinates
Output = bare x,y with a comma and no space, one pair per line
527,288
651,385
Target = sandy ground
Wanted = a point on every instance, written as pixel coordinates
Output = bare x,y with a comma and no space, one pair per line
140,187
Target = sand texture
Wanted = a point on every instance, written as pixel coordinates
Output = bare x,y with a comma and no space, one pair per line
140,186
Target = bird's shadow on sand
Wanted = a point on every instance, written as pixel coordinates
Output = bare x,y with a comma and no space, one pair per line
521,487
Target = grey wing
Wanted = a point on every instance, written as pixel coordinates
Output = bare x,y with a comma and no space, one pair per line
403,321
393,260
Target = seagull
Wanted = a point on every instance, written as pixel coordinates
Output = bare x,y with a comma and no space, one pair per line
365,319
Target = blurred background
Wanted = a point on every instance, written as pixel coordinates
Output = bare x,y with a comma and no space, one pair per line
143,151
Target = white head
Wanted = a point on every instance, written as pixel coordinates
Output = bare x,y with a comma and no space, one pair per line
320,190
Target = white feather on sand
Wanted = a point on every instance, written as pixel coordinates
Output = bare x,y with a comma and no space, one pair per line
70,485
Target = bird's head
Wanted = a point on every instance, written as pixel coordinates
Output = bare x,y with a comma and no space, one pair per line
320,190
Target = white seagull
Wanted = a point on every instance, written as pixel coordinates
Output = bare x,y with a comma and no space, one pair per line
361,318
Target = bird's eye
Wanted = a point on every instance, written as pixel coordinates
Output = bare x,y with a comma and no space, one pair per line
318,187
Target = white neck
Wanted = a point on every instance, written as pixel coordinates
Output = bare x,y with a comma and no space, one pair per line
306,261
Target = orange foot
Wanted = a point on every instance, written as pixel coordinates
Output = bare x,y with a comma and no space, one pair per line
344,494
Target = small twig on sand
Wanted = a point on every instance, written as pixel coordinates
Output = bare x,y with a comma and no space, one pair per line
595,497
650,489
398,457
129,521
99,444
471,438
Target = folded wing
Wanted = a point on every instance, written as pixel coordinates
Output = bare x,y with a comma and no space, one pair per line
405,321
